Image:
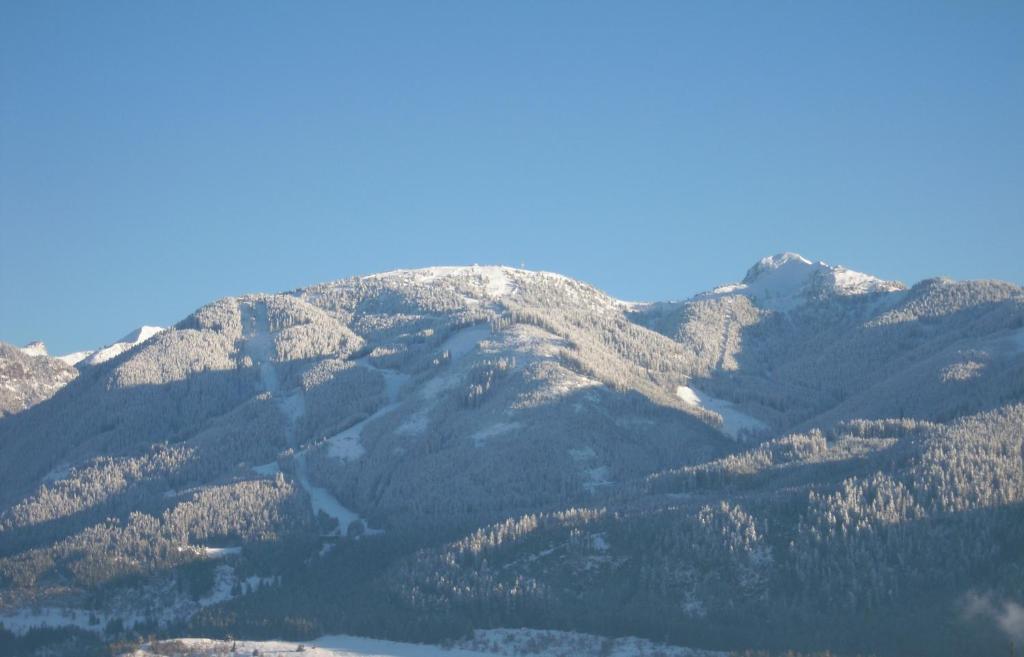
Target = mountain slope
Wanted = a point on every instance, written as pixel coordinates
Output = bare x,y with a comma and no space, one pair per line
28,376
423,452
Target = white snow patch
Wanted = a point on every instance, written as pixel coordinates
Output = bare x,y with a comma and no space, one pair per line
322,500
136,337
734,421
76,357
224,580
34,349
345,447
480,437
221,552
465,340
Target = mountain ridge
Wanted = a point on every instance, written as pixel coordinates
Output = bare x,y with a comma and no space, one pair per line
490,415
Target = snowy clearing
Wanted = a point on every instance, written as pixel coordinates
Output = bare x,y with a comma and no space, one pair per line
734,421
221,552
259,346
346,445
480,437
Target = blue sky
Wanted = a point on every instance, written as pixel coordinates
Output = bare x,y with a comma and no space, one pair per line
157,155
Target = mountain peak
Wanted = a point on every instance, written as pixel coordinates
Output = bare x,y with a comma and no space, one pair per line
792,263
141,334
36,348
136,337
786,280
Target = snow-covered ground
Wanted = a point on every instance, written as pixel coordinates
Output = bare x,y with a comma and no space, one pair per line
259,346
484,643
220,552
494,282
173,606
498,428
347,445
734,421
22,620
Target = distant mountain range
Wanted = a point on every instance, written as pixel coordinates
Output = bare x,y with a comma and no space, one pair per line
812,458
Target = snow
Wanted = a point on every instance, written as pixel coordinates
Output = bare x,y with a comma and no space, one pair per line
734,421
784,281
460,343
688,395
136,337
127,607
465,340
258,345
76,357
21,621
224,580
346,445
480,437
492,281
221,552
322,500
554,643
328,646
34,349
483,643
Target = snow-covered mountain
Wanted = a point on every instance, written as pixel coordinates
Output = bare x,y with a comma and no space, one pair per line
102,355
28,376
787,280
466,445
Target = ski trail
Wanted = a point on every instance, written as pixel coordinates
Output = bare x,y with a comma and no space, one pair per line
259,345
346,445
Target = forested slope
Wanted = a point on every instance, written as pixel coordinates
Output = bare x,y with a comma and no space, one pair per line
422,452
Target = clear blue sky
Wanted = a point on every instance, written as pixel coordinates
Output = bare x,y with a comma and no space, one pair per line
157,155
